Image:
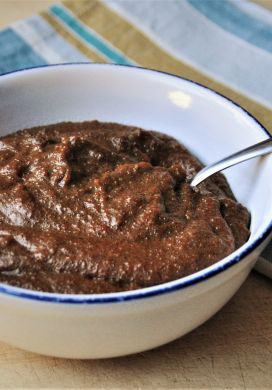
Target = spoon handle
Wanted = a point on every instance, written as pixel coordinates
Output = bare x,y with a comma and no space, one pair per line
259,149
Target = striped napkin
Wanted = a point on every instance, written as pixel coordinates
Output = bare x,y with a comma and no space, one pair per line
223,44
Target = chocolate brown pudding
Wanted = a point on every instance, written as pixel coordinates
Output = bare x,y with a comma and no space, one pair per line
100,207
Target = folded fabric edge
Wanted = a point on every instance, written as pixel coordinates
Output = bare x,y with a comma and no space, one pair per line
264,266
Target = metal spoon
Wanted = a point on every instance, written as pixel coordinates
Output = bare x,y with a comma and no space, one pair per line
259,149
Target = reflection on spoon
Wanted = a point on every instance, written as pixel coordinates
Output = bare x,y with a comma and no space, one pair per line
256,150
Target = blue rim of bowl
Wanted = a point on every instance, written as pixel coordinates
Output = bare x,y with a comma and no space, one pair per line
160,289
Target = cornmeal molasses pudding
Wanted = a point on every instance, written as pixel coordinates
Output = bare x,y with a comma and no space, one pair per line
100,207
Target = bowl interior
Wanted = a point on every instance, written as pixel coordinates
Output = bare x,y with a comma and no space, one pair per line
209,125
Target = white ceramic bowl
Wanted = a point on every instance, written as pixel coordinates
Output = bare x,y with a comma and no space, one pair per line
106,325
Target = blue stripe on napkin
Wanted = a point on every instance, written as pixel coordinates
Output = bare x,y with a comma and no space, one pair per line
15,53
231,18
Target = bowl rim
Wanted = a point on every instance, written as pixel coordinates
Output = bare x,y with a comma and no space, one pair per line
159,289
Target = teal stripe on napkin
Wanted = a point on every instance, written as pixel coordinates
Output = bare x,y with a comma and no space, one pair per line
89,36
